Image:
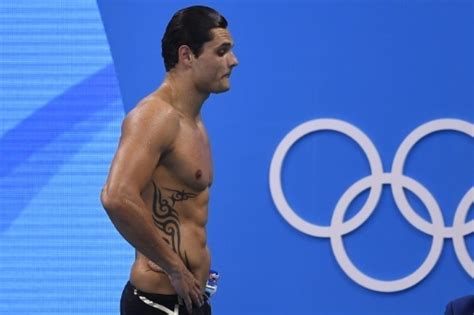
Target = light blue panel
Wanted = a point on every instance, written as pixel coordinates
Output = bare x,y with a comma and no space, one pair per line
60,115
60,251
47,46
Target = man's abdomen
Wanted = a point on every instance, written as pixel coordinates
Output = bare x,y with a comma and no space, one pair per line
180,216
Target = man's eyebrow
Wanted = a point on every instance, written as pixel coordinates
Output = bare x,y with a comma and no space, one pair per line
226,45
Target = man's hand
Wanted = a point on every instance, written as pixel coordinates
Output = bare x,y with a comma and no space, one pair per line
187,287
185,284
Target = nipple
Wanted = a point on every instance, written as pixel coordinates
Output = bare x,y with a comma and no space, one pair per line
198,174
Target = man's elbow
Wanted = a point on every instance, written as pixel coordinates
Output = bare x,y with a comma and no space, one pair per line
118,199
110,199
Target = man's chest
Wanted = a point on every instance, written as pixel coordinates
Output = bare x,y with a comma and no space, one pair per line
190,160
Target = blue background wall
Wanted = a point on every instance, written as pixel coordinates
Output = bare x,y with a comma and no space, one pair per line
69,71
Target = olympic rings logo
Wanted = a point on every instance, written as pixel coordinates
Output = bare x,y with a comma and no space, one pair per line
436,228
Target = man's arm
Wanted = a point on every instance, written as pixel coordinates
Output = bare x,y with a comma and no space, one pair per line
147,132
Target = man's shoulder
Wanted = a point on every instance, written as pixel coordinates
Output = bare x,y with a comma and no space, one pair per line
153,112
153,107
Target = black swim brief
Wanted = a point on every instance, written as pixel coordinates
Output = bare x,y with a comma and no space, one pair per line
136,302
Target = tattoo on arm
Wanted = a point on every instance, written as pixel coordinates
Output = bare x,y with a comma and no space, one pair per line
166,218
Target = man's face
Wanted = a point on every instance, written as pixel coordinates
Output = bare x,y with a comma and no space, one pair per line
211,70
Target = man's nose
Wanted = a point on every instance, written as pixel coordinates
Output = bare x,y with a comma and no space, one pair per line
233,60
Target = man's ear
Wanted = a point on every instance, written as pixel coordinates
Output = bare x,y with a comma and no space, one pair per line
185,55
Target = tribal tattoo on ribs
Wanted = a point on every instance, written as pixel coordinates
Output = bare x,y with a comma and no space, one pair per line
166,218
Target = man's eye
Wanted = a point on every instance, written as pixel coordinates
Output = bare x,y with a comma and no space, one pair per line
221,52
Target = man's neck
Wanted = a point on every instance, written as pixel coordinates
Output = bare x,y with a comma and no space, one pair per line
183,95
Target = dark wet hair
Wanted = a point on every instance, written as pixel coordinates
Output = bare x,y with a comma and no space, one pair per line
190,26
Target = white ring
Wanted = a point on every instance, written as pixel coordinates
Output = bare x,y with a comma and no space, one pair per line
276,165
462,228
338,246
399,162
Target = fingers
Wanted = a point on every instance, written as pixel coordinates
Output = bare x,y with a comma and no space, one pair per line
189,304
196,288
197,297
187,286
193,297
199,294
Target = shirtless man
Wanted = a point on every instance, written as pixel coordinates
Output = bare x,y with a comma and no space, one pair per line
157,191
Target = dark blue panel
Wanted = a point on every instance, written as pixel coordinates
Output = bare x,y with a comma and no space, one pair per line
384,67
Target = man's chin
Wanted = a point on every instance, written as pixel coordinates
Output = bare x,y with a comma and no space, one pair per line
221,89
